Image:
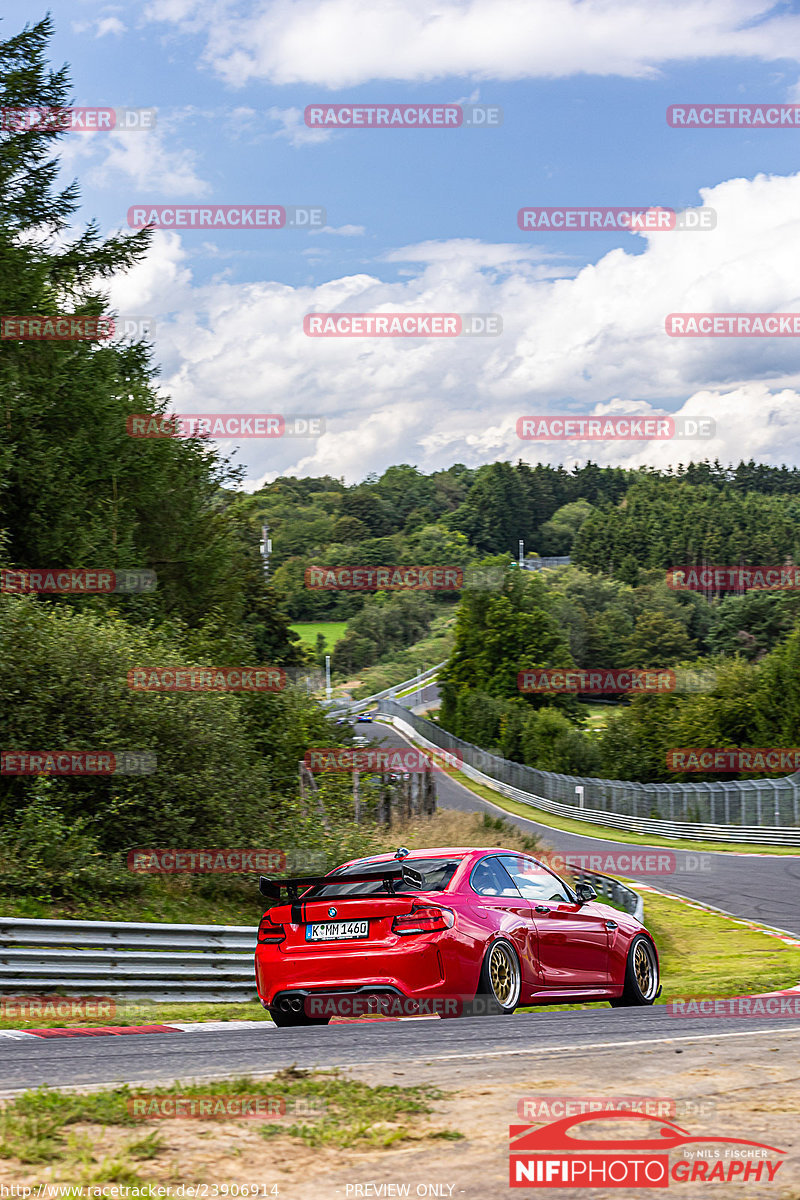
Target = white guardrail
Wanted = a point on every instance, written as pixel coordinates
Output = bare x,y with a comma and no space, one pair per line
131,960
390,693
780,835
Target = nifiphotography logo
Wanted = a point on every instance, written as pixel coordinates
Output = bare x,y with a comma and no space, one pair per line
561,1155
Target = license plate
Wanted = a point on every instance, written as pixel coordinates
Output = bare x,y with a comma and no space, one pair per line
337,931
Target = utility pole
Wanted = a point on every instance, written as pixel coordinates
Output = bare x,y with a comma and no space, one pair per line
327,676
521,553
266,548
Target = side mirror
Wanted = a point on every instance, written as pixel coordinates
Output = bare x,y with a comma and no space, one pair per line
585,892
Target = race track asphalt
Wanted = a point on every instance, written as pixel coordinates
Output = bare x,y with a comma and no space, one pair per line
158,1058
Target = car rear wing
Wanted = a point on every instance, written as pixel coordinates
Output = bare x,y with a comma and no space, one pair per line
271,888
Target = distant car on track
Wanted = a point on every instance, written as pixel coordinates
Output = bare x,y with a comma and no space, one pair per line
364,719
441,928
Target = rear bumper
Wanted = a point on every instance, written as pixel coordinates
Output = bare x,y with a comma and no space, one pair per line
422,968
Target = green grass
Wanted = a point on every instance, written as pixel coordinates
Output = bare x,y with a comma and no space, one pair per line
414,687
329,1110
332,631
596,715
177,899
707,954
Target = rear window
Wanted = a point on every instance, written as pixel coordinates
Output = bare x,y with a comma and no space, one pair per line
436,875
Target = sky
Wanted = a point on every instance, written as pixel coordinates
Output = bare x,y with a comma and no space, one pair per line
424,220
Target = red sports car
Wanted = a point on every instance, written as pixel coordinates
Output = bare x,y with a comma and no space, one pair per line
450,932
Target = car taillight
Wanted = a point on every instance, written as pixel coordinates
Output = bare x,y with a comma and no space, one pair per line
423,920
268,931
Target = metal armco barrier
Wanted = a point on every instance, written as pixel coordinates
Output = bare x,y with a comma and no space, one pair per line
626,805
608,888
130,960
356,706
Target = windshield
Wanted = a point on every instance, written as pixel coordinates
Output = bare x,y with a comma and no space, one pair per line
436,875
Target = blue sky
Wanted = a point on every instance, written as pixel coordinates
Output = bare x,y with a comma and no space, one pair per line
426,219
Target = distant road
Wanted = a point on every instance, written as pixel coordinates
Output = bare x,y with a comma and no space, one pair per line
758,887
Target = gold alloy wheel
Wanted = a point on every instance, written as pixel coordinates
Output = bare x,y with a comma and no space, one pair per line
504,974
644,969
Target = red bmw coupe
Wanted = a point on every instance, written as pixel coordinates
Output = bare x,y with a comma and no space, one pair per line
450,932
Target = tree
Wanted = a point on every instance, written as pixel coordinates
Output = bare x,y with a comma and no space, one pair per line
657,641
75,489
557,535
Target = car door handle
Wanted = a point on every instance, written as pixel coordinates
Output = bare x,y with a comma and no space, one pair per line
541,908
611,925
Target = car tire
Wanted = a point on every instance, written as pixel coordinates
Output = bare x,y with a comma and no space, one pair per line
641,975
500,981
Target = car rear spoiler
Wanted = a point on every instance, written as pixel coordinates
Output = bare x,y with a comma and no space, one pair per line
271,888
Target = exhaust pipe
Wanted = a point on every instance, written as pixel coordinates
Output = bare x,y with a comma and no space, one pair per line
296,1004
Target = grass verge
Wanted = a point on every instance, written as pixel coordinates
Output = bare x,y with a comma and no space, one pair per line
703,954
70,1132
332,631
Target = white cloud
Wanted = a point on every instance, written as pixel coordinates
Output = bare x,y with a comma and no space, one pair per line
110,25
594,342
294,128
343,43
341,230
143,159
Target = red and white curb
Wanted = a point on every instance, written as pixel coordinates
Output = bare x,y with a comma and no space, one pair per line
78,1031
123,1030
